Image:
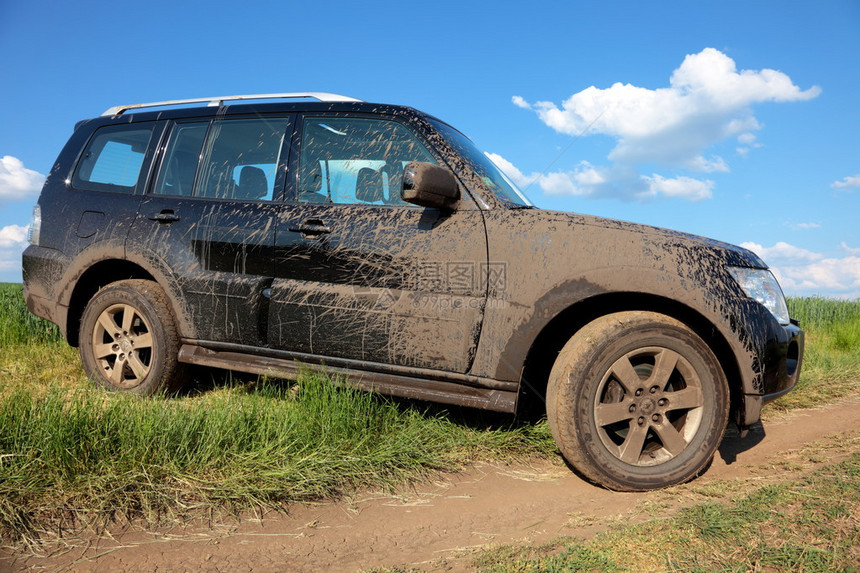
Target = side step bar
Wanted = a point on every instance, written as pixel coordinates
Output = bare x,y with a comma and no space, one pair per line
382,382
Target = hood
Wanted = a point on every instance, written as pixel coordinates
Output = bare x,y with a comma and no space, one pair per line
732,255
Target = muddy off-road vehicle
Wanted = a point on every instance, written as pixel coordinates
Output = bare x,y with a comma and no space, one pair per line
376,242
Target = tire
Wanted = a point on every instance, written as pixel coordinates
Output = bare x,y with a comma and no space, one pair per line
129,341
637,401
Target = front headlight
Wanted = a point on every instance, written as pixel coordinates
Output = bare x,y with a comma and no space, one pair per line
35,226
759,284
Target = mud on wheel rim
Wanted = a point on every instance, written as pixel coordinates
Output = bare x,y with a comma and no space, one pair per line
649,406
122,345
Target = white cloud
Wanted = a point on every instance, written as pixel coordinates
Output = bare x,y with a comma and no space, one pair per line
562,183
850,181
748,141
715,163
832,277
782,251
585,180
13,240
805,226
707,101
16,181
508,168
520,102
746,138
803,272
590,181
679,187
13,236
850,250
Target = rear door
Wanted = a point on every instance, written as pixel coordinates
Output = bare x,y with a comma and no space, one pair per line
100,204
362,275
209,220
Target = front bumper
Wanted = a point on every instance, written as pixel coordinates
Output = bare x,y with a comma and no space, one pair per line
780,359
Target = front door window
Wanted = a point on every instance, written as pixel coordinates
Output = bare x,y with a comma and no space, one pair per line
355,160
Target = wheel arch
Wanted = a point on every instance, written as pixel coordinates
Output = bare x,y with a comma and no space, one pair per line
557,331
96,277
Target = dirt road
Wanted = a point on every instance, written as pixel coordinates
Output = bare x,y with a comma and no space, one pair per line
432,526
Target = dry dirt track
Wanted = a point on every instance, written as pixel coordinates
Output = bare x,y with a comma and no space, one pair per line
429,525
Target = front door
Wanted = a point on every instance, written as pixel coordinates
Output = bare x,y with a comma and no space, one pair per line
362,275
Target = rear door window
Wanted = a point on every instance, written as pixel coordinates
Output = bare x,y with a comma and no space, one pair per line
176,176
113,159
241,158
228,159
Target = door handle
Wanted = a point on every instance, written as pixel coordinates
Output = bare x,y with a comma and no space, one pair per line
311,227
166,216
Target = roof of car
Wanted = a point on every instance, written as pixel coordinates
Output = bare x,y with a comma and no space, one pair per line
217,101
247,104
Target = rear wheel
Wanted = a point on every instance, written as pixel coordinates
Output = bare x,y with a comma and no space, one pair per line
129,341
637,401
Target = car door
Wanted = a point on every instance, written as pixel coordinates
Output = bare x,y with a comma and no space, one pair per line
211,222
102,198
359,273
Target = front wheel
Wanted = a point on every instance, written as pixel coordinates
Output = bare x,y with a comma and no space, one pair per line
637,401
129,341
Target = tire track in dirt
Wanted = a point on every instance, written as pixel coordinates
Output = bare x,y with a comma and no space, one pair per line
432,525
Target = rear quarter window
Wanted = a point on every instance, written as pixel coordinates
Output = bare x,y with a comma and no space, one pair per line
113,158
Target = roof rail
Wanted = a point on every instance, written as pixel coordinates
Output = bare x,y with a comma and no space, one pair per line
218,101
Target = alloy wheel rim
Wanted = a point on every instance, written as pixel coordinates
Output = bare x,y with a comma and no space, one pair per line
122,345
649,406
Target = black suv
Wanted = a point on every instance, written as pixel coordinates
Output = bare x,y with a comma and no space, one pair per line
377,242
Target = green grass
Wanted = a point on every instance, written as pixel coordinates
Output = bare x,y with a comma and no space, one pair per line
806,524
831,362
17,325
817,312
243,446
71,454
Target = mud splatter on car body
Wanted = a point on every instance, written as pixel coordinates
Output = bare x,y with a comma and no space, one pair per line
323,264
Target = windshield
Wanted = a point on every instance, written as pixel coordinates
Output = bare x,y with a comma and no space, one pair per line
492,176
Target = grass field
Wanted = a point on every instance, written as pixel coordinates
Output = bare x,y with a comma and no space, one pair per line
72,455
831,364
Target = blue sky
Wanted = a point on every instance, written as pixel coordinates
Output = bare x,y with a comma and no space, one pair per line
734,120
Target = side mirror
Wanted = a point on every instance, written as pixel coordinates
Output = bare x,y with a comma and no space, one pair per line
430,185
